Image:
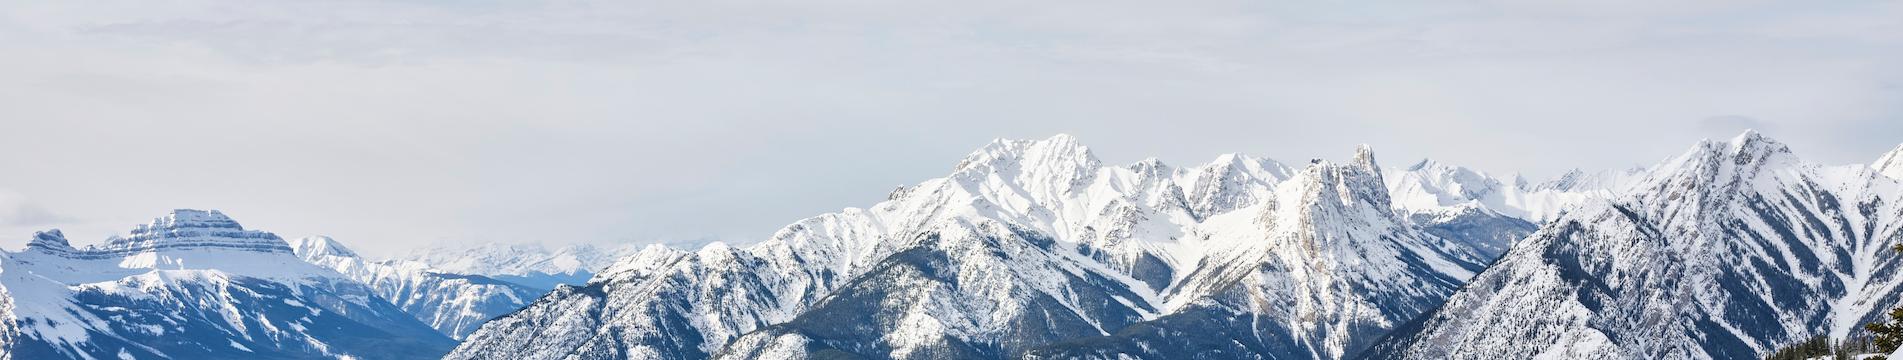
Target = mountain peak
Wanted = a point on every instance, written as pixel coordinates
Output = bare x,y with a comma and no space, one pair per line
1709,175
314,246
1364,158
50,240
1437,167
1753,143
1050,166
1060,148
1425,164
1738,157
1890,164
1359,179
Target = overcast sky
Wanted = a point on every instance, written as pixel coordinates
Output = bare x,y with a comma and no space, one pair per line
392,124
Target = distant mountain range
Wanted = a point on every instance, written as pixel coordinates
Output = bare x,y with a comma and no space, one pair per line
1036,249
531,265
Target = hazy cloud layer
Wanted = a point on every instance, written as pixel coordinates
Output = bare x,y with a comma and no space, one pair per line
392,124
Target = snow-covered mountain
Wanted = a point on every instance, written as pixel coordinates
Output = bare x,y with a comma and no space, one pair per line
453,304
1026,248
533,265
1488,212
1726,251
193,285
1319,271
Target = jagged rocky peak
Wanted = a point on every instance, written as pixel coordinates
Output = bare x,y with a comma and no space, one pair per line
1364,156
314,246
1890,164
1355,188
188,228
1359,178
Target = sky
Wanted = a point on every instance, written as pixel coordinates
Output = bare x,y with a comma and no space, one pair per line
391,125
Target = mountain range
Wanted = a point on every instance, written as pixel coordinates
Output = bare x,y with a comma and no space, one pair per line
1037,249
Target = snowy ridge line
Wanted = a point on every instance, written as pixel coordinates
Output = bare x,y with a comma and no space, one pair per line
1026,243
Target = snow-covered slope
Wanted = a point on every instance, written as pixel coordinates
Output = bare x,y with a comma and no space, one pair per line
533,265
1026,244
193,284
1890,164
453,304
1724,252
